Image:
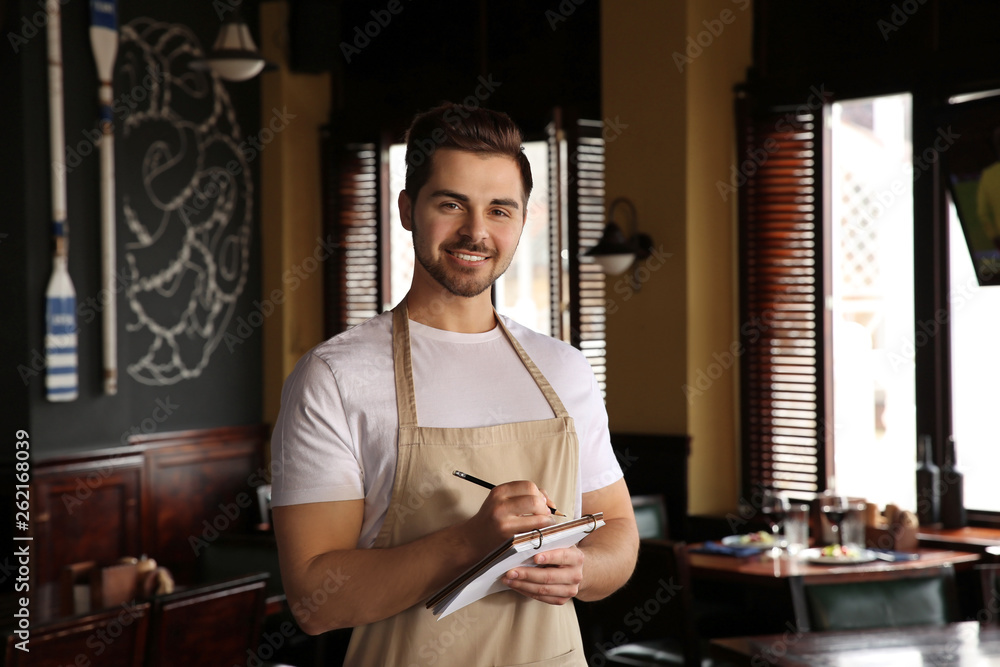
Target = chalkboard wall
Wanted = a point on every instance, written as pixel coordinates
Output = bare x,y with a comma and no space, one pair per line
188,152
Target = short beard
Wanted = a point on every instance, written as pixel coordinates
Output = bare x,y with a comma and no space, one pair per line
437,271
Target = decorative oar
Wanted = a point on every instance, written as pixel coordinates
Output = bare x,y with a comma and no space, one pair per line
104,43
60,297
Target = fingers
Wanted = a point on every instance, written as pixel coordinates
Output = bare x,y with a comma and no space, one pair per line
510,508
521,498
556,580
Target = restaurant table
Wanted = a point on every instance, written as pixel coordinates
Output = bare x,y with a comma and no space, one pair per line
756,594
969,538
965,644
763,570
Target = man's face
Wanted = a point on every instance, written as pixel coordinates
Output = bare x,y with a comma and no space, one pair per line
467,220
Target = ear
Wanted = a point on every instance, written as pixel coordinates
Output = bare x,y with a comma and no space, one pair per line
405,210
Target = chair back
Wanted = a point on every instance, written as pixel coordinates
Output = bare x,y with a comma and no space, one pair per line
651,615
916,597
207,625
110,637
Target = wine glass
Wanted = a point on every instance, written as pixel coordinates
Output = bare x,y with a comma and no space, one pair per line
834,507
774,506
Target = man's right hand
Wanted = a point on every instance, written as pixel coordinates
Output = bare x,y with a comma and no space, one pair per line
510,508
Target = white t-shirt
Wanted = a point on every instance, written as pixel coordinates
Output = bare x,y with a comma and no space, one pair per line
335,436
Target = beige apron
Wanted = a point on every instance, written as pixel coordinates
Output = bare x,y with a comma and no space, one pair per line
505,628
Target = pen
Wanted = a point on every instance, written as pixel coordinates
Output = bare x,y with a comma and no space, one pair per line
487,485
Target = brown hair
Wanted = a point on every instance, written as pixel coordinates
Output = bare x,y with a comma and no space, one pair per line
465,128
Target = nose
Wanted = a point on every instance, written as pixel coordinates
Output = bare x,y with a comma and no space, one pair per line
474,226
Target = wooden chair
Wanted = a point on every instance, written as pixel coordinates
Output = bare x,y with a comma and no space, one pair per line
650,621
110,637
207,625
876,599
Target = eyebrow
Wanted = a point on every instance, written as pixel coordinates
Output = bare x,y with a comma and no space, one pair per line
450,194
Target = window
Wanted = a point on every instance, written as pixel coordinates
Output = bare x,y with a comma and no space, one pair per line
830,303
870,228
975,367
549,287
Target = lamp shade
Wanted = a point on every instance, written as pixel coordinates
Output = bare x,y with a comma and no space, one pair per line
614,265
613,252
234,56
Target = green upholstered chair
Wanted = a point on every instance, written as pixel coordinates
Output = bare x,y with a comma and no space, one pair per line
876,599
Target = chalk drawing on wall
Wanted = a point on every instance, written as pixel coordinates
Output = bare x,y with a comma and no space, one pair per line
186,203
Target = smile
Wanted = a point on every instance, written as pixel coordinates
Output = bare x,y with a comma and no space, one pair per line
468,258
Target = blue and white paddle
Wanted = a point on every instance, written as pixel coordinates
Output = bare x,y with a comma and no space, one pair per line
60,297
104,43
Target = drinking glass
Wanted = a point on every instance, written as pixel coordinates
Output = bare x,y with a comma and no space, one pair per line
835,507
854,524
774,507
797,528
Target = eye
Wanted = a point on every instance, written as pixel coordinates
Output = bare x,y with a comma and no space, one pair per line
450,205
501,212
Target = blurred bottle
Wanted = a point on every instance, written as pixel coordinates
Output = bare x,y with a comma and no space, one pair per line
952,490
928,483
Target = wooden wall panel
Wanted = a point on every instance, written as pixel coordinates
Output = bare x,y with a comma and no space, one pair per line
199,484
87,511
149,497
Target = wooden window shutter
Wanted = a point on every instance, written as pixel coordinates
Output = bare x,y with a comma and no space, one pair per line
577,151
783,328
353,287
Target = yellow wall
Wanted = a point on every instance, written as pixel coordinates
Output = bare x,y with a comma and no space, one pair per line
679,143
711,248
291,208
643,95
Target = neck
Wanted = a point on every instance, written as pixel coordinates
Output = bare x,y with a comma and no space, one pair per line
444,310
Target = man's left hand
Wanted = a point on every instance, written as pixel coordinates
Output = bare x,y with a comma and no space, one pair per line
556,580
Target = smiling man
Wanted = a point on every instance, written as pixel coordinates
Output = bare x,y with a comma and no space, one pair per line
374,421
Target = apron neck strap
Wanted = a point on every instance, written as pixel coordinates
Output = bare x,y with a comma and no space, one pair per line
550,394
406,401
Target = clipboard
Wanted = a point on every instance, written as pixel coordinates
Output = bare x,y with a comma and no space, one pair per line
484,577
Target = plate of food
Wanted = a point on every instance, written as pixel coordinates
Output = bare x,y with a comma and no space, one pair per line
836,554
762,539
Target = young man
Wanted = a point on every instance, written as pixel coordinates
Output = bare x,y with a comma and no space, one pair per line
374,421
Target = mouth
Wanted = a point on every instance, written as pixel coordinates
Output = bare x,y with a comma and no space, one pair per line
467,257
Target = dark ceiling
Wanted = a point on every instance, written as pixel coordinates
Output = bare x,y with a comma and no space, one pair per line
391,58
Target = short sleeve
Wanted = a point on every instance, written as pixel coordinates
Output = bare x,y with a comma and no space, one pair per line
314,456
598,464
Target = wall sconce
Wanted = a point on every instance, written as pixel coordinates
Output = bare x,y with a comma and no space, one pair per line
234,56
614,252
